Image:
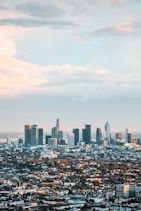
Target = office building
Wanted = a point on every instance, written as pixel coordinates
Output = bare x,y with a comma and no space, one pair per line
40,136
52,141
31,135
99,136
107,131
119,136
70,139
20,141
76,135
60,134
86,134
58,124
138,141
34,136
130,138
46,138
132,190
54,132
28,129
127,130
122,190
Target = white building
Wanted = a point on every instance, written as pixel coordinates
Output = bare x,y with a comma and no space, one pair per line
70,139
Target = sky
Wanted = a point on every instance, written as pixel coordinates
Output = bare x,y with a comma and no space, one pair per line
77,60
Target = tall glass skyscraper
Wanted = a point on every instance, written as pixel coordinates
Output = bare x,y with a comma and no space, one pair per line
58,125
76,135
86,134
28,129
40,136
31,135
56,131
99,136
107,130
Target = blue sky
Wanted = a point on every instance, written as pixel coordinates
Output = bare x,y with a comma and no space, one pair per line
76,60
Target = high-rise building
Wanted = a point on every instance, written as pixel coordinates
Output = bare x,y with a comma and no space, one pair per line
130,138
70,139
34,135
86,134
138,141
99,136
28,129
58,125
127,130
76,135
119,136
40,136
107,130
54,132
47,138
31,135
20,141
60,134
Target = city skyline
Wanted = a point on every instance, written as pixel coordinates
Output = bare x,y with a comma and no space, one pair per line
34,136
78,61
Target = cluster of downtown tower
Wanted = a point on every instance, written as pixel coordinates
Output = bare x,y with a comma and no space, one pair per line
34,136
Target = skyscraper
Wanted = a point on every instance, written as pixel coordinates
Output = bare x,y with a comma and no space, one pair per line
86,134
99,136
130,138
31,135
107,130
119,136
76,135
47,138
27,132
34,135
56,131
58,125
127,130
70,139
60,134
40,136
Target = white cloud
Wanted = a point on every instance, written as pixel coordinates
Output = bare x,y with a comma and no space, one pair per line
7,47
19,77
102,72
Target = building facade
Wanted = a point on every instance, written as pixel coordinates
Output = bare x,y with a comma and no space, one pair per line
99,136
31,135
76,135
107,131
86,134
70,139
40,136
